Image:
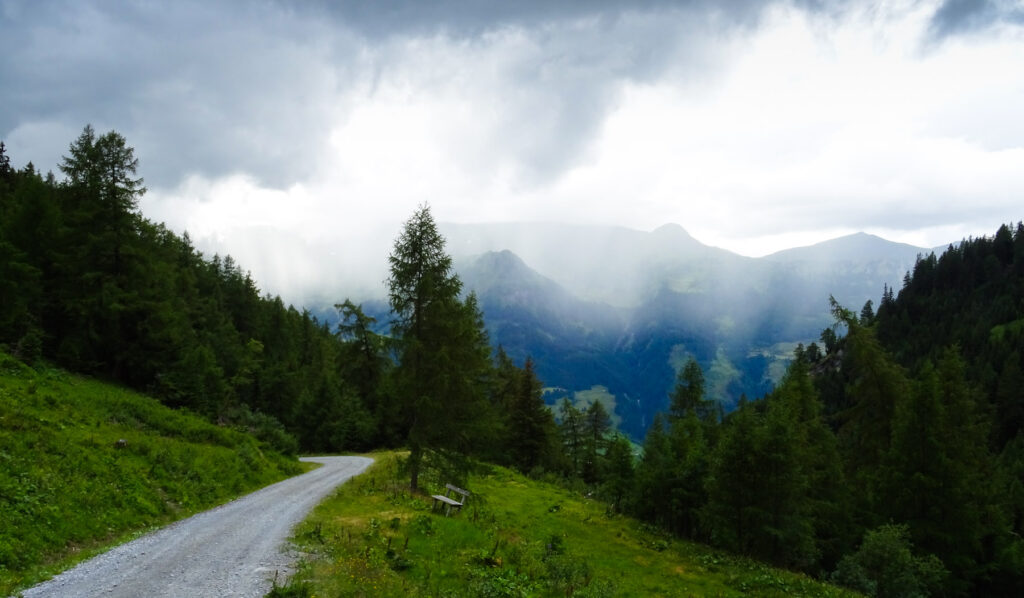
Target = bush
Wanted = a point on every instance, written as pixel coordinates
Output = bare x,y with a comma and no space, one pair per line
299,590
30,347
266,428
884,566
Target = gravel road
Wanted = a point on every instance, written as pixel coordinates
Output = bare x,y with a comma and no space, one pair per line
232,550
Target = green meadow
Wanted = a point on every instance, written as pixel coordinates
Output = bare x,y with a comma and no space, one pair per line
85,465
515,537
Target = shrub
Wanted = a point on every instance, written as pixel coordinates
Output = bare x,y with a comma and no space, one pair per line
885,566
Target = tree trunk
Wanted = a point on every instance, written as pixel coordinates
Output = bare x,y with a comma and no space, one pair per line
415,458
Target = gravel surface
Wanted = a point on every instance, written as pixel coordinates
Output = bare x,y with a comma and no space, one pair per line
233,550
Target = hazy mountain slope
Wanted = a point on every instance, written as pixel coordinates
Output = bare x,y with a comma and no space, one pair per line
572,341
578,344
624,309
614,265
627,268
675,298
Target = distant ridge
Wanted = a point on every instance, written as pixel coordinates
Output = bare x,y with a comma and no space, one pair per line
856,247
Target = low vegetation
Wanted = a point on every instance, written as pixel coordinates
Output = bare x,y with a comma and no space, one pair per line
84,465
515,537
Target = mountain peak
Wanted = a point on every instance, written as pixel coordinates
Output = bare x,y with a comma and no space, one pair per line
503,262
670,229
672,237
499,269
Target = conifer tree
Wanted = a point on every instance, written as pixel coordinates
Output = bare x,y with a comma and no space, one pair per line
688,396
1009,400
825,500
571,429
876,386
529,421
5,163
653,476
443,354
364,362
596,424
101,173
692,427
618,477
733,514
939,469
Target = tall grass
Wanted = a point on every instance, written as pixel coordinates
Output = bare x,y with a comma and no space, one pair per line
515,537
85,464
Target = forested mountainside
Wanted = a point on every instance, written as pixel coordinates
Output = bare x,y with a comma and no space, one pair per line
900,432
87,282
971,297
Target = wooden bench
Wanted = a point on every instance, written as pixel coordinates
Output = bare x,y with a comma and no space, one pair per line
447,500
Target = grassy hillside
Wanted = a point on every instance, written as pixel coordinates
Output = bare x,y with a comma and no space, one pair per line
516,537
69,487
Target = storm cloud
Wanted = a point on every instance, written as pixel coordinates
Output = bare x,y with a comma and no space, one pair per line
964,16
225,87
286,132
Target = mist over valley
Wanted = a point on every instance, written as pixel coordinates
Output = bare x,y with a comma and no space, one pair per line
614,312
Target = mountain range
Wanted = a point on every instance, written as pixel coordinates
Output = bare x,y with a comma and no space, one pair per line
611,314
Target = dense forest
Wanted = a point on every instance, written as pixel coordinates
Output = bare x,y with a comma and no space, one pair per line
88,283
889,459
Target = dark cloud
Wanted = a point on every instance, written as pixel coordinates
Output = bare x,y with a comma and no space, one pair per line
213,88
473,17
197,87
955,17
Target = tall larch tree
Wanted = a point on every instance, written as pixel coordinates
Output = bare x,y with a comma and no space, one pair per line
442,348
103,193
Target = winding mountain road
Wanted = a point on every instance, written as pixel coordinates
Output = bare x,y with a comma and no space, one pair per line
233,550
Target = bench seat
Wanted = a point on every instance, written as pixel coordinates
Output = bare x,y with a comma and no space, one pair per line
448,501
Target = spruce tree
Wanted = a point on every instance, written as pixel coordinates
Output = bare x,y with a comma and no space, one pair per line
692,427
654,476
688,396
734,512
596,424
825,501
618,477
529,421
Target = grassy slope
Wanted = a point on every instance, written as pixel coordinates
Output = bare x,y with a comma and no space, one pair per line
516,537
67,491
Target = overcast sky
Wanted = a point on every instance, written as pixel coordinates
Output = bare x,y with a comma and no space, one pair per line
298,136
